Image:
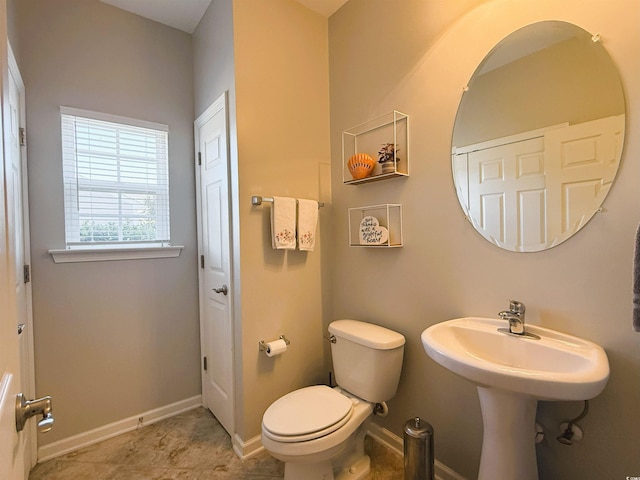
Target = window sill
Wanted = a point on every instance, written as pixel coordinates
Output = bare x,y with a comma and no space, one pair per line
65,255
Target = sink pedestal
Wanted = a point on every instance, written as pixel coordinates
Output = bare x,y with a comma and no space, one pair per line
508,441
512,373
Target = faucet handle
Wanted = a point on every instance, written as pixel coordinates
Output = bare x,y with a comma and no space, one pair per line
516,307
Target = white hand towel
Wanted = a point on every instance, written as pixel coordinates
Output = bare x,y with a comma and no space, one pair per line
283,223
307,222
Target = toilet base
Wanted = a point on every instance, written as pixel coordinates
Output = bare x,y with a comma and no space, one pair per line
358,470
308,471
350,464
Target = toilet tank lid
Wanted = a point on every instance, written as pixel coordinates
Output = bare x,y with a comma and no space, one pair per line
367,334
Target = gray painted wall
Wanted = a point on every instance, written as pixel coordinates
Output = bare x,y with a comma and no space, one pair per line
419,63
214,74
112,339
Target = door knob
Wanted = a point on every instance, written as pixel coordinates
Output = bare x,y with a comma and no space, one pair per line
26,409
223,290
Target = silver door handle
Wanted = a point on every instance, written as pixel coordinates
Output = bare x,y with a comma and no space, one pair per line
223,290
26,409
21,327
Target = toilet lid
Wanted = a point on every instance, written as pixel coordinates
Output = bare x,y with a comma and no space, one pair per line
307,413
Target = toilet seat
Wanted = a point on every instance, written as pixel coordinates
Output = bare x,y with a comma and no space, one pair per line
306,414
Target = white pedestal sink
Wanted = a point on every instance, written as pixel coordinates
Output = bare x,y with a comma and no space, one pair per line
512,374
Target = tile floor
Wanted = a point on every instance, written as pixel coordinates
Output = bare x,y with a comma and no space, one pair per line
190,446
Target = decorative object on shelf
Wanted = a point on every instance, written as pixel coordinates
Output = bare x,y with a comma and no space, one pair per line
376,226
387,157
391,131
371,233
360,165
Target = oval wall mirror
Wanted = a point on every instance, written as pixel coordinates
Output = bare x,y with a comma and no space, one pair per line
538,136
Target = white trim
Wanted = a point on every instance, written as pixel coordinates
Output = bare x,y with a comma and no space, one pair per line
498,142
385,437
13,68
249,449
445,473
395,443
107,117
66,445
210,112
68,255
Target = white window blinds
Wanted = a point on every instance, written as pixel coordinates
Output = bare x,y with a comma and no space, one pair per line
116,179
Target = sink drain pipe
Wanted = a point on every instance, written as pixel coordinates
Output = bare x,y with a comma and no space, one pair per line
418,450
566,438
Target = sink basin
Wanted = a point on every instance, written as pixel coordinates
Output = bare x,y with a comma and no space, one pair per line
512,373
556,366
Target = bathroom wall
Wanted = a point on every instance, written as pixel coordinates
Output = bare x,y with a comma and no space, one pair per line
561,67
276,69
416,56
112,339
214,74
11,27
282,101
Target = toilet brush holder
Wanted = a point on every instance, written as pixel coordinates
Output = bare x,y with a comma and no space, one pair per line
418,450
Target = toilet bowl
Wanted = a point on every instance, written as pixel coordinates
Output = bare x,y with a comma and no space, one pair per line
309,438
318,431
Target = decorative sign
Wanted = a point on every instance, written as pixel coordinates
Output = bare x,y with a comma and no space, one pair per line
371,233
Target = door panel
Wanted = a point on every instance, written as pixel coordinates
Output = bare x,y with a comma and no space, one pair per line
588,154
216,318
507,192
14,451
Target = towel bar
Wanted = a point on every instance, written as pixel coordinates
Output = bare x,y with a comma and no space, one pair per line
257,200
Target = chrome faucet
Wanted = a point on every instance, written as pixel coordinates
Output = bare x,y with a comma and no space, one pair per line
515,316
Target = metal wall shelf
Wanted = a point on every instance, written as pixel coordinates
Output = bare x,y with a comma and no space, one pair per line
368,137
365,233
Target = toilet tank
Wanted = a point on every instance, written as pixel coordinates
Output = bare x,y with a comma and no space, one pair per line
367,359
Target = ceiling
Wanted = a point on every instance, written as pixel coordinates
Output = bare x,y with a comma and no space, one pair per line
186,14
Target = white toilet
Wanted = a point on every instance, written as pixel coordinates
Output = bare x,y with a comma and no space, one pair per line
315,430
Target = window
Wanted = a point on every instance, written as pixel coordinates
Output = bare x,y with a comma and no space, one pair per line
116,180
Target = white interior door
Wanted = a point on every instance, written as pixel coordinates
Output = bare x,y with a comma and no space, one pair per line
13,445
588,156
216,316
19,244
507,192
12,465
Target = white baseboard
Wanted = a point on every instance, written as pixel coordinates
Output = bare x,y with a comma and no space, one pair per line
247,449
66,445
395,443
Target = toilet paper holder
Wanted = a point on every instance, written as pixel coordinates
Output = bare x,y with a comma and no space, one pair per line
262,345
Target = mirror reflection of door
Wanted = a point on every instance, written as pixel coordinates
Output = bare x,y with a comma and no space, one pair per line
506,192
538,136
589,154
519,199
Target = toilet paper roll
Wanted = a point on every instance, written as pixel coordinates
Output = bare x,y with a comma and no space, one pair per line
276,347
